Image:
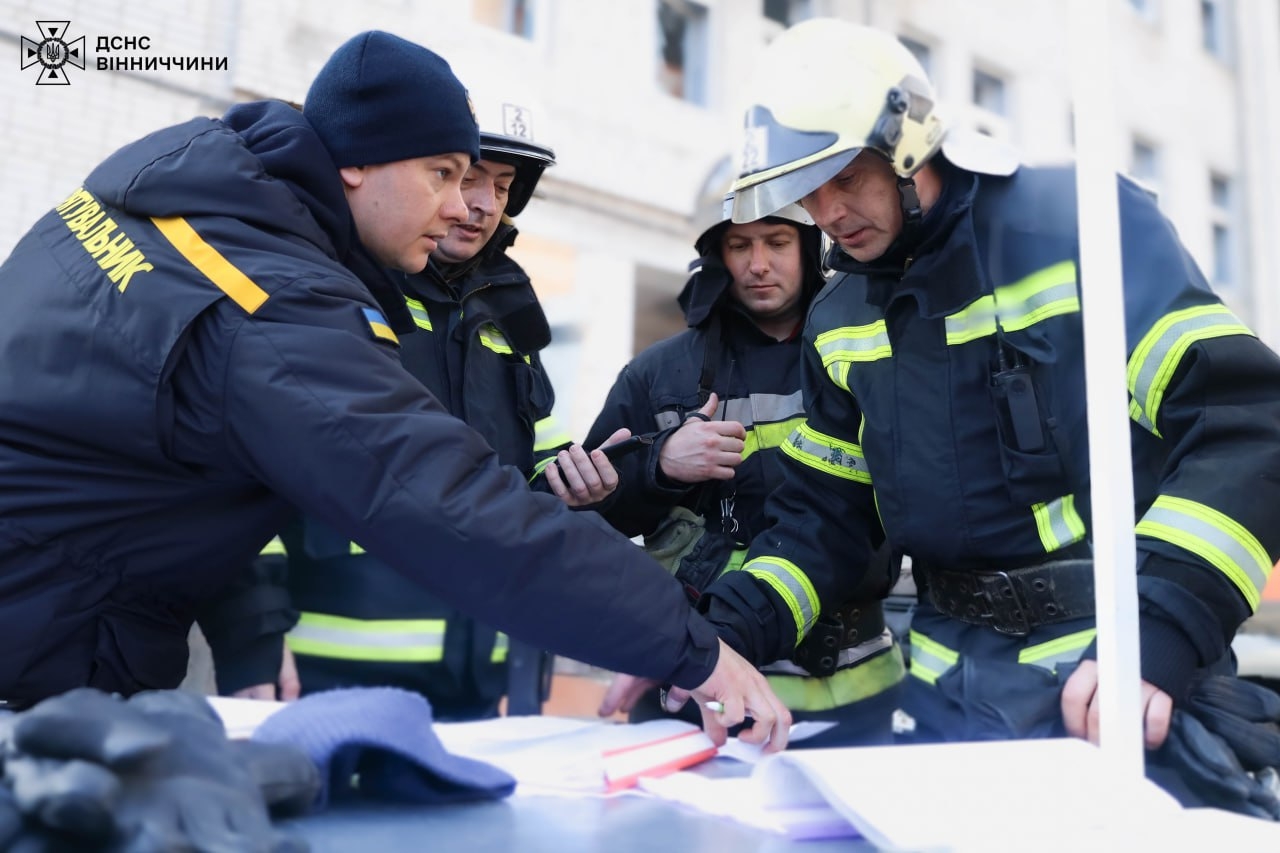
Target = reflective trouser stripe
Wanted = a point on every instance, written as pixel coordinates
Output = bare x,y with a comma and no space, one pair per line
1219,540
393,640
929,658
793,586
1058,523
1065,649
846,686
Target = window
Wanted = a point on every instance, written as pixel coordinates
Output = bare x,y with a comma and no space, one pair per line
682,50
1213,27
1222,216
921,51
1144,164
511,16
1145,9
989,92
788,12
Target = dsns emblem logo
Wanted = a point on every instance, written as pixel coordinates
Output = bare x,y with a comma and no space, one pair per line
52,52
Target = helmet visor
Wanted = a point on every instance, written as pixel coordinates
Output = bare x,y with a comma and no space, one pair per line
769,196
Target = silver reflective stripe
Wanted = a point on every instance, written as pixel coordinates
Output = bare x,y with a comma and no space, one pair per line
1062,650
1058,523
1215,538
1156,357
666,420
419,312
1046,293
762,408
822,452
854,343
396,640
792,585
492,339
929,658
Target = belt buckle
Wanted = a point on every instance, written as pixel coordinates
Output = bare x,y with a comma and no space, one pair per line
1001,605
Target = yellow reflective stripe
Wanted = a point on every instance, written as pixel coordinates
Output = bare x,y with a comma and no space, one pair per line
549,433
854,343
793,586
1058,522
540,466
852,684
419,313
501,643
1219,540
770,436
830,455
1158,354
1046,293
354,548
390,640
929,658
1064,649
225,275
275,546
1140,417
838,348
492,339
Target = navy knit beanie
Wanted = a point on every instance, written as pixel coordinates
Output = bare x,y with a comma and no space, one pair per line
380,99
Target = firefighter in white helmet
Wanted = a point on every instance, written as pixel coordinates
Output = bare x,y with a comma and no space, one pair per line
945,400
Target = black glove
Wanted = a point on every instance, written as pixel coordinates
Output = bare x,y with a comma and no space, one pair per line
1244,714
151,774
1206,765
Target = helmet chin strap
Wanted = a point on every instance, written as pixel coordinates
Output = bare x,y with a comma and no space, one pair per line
911,212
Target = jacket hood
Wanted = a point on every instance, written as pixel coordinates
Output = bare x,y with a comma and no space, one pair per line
262,164
709,281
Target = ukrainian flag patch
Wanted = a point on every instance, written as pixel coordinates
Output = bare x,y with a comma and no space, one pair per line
379,327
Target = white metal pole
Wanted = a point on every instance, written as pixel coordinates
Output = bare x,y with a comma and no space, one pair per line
1110,465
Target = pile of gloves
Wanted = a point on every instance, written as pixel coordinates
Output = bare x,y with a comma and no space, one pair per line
1224,746
91,771
156,772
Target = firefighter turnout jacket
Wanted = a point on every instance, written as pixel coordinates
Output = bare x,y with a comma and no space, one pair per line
948,403
757,380
478,330
198,347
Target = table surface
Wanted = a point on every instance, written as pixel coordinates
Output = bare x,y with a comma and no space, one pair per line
553,824
531,824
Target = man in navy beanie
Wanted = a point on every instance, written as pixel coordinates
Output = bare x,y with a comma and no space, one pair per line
202,341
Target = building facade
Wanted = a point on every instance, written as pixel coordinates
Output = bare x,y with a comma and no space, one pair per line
640,98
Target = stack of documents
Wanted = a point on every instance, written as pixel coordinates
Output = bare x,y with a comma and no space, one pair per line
1043,795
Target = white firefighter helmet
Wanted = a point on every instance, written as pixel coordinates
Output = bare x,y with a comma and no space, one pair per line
824,90
507,135
714,205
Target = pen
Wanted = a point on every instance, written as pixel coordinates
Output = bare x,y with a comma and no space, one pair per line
713,705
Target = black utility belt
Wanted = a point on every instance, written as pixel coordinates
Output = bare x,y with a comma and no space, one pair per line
1013,601
851,625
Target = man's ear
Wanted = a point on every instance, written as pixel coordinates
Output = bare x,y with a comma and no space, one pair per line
352,176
